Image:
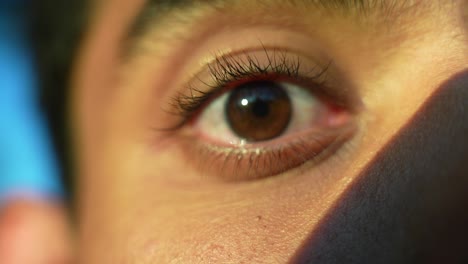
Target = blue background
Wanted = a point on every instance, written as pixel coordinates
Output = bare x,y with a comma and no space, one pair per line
27,164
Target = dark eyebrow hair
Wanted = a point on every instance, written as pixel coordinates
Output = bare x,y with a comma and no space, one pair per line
154,9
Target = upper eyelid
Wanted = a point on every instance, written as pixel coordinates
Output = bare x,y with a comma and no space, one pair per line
279,60
229,64
144,30
232,68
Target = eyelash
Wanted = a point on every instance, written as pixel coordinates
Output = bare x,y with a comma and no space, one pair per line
229,71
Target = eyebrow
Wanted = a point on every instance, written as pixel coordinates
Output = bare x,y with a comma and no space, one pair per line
153,10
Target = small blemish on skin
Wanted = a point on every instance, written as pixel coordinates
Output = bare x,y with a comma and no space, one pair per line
259,217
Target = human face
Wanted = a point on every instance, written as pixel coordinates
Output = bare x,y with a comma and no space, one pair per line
371,167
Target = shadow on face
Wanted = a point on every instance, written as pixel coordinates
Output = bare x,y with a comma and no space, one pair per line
411,204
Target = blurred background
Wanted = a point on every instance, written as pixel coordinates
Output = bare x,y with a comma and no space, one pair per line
34,225
28,166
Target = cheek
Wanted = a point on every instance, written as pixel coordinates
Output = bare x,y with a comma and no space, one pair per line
193,220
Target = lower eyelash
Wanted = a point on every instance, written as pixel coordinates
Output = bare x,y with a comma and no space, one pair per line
248,163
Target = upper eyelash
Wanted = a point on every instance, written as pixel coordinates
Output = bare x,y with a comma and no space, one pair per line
230,68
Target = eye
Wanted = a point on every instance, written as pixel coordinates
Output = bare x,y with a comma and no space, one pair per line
257,114
260,110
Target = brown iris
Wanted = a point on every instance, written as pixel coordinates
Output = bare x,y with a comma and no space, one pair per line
258,110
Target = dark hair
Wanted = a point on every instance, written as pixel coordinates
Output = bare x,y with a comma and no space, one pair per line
56,31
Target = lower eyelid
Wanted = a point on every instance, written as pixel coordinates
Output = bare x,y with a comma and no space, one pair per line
252,162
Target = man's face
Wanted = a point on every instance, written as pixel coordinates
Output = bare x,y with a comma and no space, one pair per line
272,131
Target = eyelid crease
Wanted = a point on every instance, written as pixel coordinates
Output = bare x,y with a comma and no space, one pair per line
230,70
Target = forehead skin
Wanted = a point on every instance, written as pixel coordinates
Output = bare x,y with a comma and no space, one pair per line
400,200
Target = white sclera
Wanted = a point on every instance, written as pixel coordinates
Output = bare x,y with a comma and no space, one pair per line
212,122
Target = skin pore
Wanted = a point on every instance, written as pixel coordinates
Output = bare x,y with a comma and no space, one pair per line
152,196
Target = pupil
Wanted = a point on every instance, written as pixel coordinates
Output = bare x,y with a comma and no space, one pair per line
259,110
